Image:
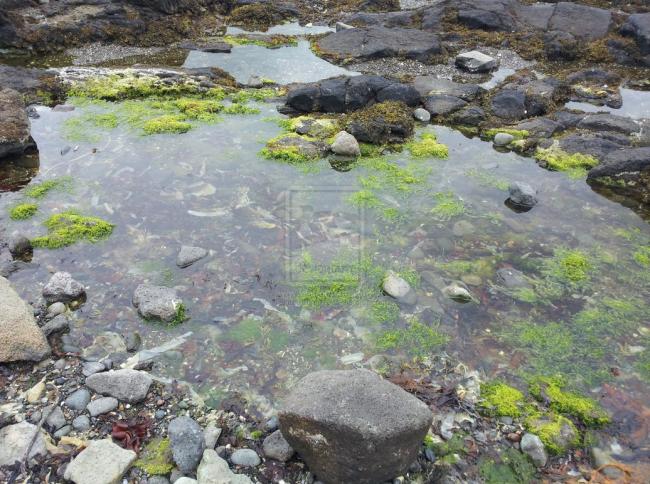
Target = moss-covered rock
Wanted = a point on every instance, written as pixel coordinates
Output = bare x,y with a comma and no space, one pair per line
381,123
294,149
23,211
557,433
501,400
156,458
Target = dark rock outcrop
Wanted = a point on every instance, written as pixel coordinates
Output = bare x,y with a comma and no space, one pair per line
15,138
377,42
353,426
345,94
443,104
387,122
637,26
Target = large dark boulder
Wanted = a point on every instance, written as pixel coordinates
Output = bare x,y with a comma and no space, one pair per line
382,123
430,85
637,26
378,42
15,138
509,104
589,23
609,122
628,162
353,426
494,15
589,144
443,104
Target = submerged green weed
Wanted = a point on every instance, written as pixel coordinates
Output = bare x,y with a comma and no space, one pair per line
448,206
576,165
427,147
514,468
501,400
70,227
571,267
39,190
166,124
237,108
487,179
87,127
417,339
518,134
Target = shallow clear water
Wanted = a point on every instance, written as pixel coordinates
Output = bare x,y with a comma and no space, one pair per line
290,28
283,65
636,104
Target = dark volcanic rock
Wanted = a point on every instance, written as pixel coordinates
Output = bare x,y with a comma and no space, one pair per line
560,45
353,426
377,42
580,20
609,122
406,19
387,122
637,26
429,85
488,14
443,104
540,127
509,104
589,144
628,163
469,116
15,138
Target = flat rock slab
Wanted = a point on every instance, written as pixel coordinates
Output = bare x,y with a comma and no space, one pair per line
215,470
126,385
475,61
378,42
14,125
14,441
103,462
20,337
353,426
188,255
101,406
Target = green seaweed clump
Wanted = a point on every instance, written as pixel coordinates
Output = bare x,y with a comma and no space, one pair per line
83,128
501,400
199,109
291,148
557,433
247,331
517,134
417,339
23,211
166,124
39,190
549,390
576,164
514,468
372,123
156,458
118,88
428,146
384,312
642,256
569,266
67,228
237,108
448,206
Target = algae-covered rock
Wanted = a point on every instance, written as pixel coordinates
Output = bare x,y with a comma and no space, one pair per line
387,122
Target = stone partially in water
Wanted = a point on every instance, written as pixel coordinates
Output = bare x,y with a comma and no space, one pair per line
20,337
63,288
397,287
156,302
345,145
102,462
522,195
188,255
353,426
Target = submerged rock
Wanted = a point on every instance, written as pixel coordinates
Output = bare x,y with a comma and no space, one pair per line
475,61
188,255
102,462
187,443
397,287
20,337
156,302
353,426
522,195
458,292
15,440
63,288
345,145
126,385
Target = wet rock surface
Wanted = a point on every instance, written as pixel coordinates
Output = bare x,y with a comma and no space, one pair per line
156,302
63,288
125,385
338,422
15,138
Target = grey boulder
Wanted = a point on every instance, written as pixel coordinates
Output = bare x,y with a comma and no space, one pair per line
187,443
353,426
102,462
397,287
475,61
522,195
126,385
245,458
20,337
422,115
15,440
215,470
188,255
63,288
156,302
345,144
14,124
276,447
532,446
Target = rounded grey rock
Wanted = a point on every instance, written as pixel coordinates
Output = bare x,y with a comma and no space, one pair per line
532,446
126,385
276,447
55,309
78,400
187,443
522,195
101,406
188,255
81,423
503,139
55,420
156,302
345,145
63,288
63,431
91,367
245,458
422,115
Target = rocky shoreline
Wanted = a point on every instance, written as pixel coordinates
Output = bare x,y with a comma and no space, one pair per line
98,414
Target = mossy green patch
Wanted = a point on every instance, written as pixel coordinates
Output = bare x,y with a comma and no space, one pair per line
168,124
557,433
386,174
427,147
576,165
417,339
487,179
517,134
199,109
256,434
501,400
242,109
117,88
245,95
365,199
88,126
67,228
39,190
448,206
269,42
550,391
156,458
384,312
23,211
571,267
247,331
642,256
389,112
514,468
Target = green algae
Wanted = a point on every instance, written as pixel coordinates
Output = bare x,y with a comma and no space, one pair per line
118,88
550,391
513,467
85,128
576,164
448,206
501,400
270,42
199,109
365,199
242,109
571,267
557,433
427,147
247,331
642,256
39,190
386,174
156,458
517,134
245,95
384,312
69,227
168,124
417,339
487,179
390,112
23,211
